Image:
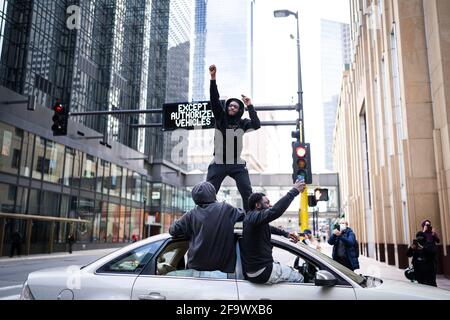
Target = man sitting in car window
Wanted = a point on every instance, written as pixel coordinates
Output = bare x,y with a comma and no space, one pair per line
210,230
256,247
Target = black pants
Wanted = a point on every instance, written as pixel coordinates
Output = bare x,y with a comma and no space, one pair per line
14,247
70,247
425,275
239,172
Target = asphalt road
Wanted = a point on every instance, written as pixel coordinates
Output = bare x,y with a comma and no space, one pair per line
14,271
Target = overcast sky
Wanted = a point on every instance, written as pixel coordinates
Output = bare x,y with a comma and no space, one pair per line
276,66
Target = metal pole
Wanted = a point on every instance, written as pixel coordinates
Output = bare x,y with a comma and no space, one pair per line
300,90
108,112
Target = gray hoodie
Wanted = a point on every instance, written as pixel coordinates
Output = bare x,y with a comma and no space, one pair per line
210,230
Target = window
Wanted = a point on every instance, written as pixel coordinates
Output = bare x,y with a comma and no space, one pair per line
172,262
133,261
53,162
89,172
10,144
172,258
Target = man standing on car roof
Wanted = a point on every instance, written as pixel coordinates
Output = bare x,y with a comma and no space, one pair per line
230,129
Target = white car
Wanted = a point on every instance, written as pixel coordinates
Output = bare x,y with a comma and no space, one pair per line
154,269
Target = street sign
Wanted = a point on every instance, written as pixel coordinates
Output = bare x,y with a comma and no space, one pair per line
188,115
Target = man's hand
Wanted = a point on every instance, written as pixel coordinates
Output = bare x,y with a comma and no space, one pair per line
300,186
293,237
247,100
336,232
212,71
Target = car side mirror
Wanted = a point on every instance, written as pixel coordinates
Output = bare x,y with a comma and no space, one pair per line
325,278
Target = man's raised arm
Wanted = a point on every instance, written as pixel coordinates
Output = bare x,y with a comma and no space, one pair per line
214,94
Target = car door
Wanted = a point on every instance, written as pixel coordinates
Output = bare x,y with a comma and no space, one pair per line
294,291
114,280
166,278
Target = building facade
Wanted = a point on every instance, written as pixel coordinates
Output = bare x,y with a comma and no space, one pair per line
90,56
391,142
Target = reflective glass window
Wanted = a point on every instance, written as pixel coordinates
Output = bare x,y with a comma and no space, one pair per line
86,209
77,169
89,172
106,176
10,144
27,154
116,180
136,222
68,167
113,222
39,160
7,198
53,162
50,204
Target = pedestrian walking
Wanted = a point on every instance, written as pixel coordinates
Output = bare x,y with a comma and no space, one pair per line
16,241
70,241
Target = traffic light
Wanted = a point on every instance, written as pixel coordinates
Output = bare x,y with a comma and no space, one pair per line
301,161
312,202
321,194
60,119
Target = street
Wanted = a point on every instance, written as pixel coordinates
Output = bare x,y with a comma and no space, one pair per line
14,271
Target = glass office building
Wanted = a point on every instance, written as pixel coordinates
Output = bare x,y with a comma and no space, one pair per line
335,54
110,54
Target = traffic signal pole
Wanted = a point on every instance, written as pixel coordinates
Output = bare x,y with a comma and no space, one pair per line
303,211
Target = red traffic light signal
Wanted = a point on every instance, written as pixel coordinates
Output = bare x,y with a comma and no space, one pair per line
58,108
301,162
60,119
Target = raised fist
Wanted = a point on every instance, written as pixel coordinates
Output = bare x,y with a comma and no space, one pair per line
212,71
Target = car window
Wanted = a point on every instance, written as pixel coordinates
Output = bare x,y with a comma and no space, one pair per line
306,267
172,262
133,261
347,272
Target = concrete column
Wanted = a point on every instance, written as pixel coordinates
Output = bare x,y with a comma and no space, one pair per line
28,236
51,237
2,235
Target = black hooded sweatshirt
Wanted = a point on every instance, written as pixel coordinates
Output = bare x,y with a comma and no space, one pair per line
210,230
256,248
224,122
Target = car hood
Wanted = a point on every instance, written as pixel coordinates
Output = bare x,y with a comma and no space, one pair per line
58,272
395,289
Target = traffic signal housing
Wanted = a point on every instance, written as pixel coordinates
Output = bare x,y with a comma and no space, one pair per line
301,162
321,194
60,119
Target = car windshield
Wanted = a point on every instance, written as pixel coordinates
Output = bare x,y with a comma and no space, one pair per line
361,280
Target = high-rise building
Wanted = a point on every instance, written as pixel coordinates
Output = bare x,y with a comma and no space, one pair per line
391,137
223,34
335,54
90,56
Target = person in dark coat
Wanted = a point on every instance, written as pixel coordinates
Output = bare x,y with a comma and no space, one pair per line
16,242
230,129
423,251
70,241
210,230
343,240
256,248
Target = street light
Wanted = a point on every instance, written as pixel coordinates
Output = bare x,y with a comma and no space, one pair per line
284,14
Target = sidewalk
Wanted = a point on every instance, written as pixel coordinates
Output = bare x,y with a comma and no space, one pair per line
372,267
99,252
